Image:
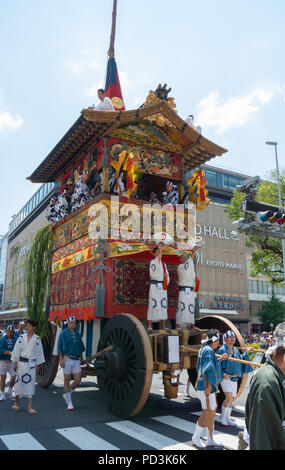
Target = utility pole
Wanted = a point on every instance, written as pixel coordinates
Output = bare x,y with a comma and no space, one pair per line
279,198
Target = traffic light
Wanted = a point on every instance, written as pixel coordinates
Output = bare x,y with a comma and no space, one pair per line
259,218
270,217
262,217
275,217
281,220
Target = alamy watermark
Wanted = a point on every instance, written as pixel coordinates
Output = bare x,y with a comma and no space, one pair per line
132,222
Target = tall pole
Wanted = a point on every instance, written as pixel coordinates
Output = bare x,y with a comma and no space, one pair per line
278,177
279,198
111,51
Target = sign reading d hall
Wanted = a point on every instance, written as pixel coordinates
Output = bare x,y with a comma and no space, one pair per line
218,232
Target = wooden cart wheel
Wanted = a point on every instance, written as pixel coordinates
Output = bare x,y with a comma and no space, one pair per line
48,370
125,373
223,325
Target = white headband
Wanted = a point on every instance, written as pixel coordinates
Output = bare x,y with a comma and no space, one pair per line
213,339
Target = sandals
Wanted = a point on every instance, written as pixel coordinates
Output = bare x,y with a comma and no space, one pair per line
32,412
16,408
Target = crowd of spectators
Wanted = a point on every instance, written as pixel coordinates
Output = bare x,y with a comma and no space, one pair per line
264,340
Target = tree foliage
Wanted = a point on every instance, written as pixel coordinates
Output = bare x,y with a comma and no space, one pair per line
37,277
272,311
267,251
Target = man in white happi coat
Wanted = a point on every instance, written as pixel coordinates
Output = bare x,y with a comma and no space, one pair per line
27,356
157,304
105,104
186,284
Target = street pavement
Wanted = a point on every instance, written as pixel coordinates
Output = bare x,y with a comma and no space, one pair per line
162,424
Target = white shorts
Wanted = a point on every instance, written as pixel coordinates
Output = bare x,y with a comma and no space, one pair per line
212,399
7,366
229,386
71,366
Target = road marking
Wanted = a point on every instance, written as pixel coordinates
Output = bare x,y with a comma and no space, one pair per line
240,421
85,440
21,441
151,438
240,409
178,423
229,441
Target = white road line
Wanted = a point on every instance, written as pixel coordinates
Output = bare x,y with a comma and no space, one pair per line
85,440
145,435
229,441
240,421
239,408
178,423
21,441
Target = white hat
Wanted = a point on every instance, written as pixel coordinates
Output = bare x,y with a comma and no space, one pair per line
279,335
170,183
71,318
270,350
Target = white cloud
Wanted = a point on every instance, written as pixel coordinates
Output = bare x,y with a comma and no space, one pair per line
9,122
235,112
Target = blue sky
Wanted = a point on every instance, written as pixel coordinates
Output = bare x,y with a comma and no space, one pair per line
224,60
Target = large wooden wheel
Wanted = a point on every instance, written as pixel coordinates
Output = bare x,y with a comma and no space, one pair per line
48,370
223,325
125,373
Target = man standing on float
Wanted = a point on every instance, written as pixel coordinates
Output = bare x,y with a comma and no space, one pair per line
186,284
159,279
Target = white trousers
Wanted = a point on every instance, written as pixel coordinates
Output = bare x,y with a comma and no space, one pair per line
212,400
229,386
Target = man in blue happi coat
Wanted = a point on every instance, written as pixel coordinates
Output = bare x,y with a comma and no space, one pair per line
7,343
208,376
231,373
70,349
20,330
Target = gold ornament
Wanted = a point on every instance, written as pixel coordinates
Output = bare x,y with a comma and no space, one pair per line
117,102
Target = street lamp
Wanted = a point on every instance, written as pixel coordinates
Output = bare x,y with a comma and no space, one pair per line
279,196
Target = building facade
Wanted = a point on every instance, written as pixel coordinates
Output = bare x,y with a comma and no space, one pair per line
22,230
3,261
248,293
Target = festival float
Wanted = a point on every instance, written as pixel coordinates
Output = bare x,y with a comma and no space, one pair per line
103,278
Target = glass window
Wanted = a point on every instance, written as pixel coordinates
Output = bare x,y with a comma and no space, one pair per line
211,177
233,181
254,287
223,180
241,179
250,287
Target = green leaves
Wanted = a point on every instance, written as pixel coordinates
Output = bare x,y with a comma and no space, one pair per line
272,312
37,276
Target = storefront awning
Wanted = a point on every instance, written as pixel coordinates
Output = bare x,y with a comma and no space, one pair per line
12,311
217,312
